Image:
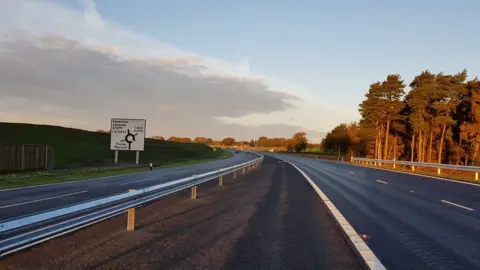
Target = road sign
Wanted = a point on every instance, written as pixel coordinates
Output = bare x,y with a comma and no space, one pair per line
127,134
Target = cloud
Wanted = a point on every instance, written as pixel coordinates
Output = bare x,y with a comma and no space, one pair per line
54,72
91,14
71,67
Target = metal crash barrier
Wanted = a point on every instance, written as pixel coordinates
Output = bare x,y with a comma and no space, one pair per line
413,165
20,233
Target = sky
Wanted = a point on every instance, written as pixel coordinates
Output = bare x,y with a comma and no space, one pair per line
220,68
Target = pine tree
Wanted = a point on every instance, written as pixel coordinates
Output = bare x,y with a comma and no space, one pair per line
449,88
391,104
471,129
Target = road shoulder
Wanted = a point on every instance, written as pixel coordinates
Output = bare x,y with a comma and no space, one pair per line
270,217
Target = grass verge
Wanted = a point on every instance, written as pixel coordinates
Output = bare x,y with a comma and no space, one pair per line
41,178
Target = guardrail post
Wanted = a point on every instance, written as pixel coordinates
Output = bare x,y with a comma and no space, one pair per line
194,193
476,176
439,171
131,217
234,174
220,180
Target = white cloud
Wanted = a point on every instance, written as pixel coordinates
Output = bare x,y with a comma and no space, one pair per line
92,16
87,70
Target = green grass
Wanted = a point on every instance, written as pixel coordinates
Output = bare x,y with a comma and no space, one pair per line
81,154
40,178
80,148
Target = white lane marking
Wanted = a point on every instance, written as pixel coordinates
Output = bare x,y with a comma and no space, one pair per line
137,181
363,250
416,174
351,172
380,181
458,205
44,199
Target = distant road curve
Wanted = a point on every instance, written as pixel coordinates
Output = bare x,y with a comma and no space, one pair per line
28,200
411,222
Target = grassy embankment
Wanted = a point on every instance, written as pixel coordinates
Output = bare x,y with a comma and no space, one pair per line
81,154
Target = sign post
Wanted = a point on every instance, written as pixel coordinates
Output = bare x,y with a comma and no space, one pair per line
127,135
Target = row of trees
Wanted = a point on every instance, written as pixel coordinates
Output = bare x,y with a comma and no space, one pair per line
297,143
438,120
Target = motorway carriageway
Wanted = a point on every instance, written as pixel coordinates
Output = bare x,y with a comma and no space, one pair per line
269,218
411,222
28,200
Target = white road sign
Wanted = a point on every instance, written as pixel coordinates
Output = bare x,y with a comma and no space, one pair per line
127,134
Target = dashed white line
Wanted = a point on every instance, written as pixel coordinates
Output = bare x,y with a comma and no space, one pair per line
44,199
380,181
137,181
458,205
351,172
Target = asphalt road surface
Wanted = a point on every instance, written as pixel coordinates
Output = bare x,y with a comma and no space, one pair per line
412,222
269,218
24,201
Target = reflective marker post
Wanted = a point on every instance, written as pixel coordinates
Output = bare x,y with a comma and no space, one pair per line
131,217
194,193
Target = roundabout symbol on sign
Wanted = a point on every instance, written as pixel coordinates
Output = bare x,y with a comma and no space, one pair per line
129,138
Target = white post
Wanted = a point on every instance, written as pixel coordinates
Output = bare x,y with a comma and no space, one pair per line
116,156
394,163
138,157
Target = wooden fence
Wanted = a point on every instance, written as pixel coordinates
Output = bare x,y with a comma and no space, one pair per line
26,157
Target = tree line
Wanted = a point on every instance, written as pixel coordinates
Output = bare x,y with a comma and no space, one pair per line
297,143
438,120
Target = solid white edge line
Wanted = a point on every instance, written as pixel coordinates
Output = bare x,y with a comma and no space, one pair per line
416,174
458,205
380,181
361,247
44,199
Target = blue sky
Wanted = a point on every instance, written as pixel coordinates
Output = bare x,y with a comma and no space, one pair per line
332,47
325,52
